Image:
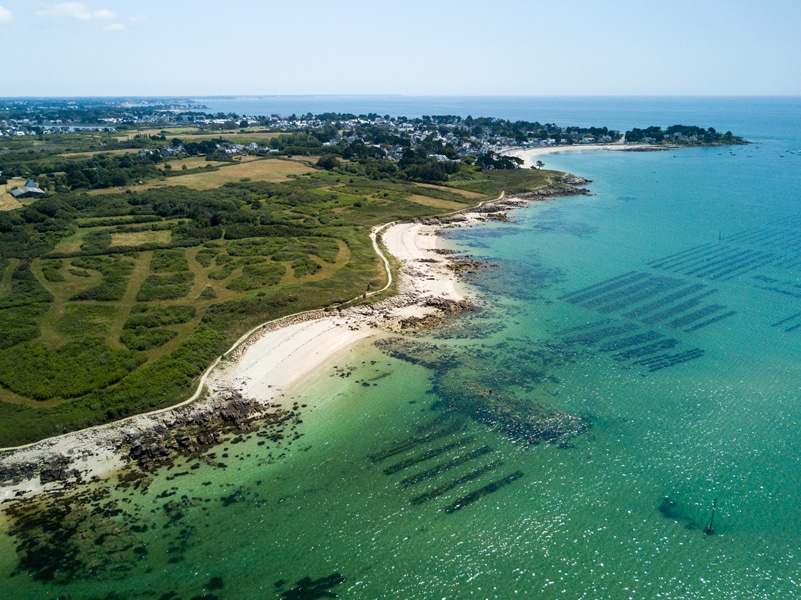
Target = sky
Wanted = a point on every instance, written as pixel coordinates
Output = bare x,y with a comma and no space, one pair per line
415,47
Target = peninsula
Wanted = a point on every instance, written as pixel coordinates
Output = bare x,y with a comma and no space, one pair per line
166,233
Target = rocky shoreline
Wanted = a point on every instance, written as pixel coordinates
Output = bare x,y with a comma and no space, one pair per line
497,210
148,441
186,431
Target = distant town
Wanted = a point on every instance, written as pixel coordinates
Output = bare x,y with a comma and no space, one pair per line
467,136
58,146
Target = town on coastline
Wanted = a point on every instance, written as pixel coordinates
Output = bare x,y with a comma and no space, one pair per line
434,145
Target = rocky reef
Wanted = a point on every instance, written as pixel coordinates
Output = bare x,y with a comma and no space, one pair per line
497,210
479,385
80,532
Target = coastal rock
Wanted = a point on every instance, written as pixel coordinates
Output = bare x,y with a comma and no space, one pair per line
193,430
468,265
151,440
569,179
497,210
54,468
555,193
446,310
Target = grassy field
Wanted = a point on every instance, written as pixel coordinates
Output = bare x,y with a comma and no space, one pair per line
237,138
122,308
72,243
436,202
7,201
199,162
191,133
139,238
96,152
467,194
255,169
169,132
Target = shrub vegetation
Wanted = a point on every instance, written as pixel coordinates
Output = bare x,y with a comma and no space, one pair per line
123,335
166,287
257,276
168,261
75,369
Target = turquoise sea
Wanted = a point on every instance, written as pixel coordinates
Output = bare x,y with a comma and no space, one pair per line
664,311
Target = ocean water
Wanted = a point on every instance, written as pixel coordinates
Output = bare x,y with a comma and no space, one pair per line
752,115
659,318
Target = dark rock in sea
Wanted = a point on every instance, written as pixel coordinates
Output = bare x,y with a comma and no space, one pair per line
446,310
479,384
669,508
53,468
313,589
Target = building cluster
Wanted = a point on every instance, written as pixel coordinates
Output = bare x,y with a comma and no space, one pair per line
395,135
442,138
465,139
23,127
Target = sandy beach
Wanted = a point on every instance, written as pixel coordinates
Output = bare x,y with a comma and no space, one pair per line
264,365
268,362
274,360
531,155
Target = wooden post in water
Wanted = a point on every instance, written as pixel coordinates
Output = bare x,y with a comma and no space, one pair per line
708,529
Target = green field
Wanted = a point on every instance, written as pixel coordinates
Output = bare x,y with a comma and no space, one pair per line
254,169
113,304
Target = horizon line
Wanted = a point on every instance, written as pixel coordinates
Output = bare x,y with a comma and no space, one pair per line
395,95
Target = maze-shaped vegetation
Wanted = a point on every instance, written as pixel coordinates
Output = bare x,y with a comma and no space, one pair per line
167,261
115,271
257,276
81,319
166,287
146,327
113,304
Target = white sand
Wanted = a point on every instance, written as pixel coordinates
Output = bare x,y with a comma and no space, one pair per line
427,272
268,362
283,358
531,155
275,361
271,360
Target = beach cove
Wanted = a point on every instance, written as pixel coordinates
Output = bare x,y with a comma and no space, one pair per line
264,364
255,385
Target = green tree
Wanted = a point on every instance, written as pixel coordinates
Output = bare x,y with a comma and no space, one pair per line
328,162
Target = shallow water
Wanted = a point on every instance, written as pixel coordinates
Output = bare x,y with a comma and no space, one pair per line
661,312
